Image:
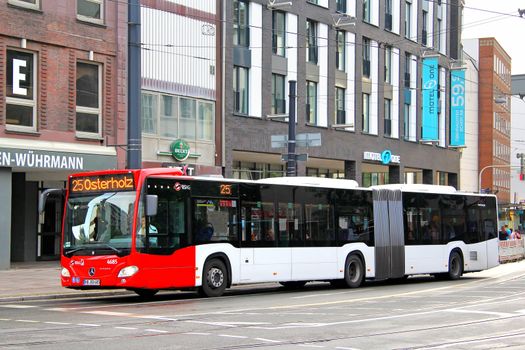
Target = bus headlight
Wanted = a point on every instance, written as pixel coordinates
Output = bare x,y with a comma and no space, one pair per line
65,272
128,271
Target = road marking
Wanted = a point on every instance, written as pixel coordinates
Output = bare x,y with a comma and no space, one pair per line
456,343
58,323
17,306
88,325
60,309
343,348
27,321
311,346
108,313
155,331
500,314
268,340
232,336
196,333
126,328
5,319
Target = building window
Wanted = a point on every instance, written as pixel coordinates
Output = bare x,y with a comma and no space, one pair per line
311,41
374,179
206,121
388,117
388,14
241,28
311,102
278,99
340,54
90,10
89,99
240,89
366,113
366,57
388,64
21,90
279,30
340,117
407,70
424,33
169,116
149,107
438,38
406,122
177,117
187,120
29,4
340,6
408,19
366,11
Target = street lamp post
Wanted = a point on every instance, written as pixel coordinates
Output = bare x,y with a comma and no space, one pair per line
493,166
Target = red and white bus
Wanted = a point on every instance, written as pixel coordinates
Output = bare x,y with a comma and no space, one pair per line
152,229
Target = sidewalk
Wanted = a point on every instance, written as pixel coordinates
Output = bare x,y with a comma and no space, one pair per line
41,280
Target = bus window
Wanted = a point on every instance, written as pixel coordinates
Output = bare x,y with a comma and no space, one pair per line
290,217
215,220
319,227
454,224
166,231
258,224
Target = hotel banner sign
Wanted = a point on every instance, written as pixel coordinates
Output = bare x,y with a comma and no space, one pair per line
429,124
40,159
457,108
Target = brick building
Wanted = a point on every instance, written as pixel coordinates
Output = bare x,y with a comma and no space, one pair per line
494,105
63,97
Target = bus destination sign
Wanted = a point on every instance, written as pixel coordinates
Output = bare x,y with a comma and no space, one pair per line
102,183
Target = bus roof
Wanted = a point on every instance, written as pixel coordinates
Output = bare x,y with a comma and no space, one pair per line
417,188
310,181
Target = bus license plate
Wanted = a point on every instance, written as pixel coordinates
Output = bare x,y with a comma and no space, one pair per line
91,282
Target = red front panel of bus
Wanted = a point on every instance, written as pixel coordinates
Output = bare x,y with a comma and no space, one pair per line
154,271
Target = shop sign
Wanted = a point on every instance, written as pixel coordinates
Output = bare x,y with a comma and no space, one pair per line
38,159
385,157
180,150
429,120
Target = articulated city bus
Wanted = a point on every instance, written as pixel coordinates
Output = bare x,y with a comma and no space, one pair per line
152,229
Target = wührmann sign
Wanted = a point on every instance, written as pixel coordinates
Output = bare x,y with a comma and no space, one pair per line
30,159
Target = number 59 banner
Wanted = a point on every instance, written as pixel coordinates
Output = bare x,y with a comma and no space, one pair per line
457,108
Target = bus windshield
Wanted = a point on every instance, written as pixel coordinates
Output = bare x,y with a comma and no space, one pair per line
99,223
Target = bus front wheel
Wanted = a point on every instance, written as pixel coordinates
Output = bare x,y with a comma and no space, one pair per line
215,278
354,271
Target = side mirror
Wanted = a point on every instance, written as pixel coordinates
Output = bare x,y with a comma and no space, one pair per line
152,202
43,197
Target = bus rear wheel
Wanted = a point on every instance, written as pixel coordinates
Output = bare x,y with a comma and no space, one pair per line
354,271
215,278
146,293
455,266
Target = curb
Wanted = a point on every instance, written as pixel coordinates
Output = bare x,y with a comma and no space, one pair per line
65,296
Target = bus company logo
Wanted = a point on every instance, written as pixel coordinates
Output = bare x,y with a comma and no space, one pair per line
180,150
77,262
178,187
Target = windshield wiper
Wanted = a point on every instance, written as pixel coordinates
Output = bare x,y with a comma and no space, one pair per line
70,252
118,252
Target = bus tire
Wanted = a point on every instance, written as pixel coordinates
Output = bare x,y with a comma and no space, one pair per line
455,266
354,271
215,278
145,293
293,284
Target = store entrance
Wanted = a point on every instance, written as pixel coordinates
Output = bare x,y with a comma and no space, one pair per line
48,240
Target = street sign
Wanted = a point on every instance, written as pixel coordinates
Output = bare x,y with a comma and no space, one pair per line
299,157
279,141
309,139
